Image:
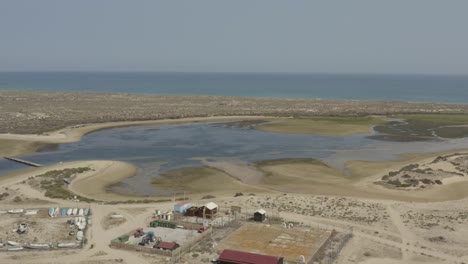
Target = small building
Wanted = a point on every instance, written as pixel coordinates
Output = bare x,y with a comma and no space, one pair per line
168,216
260,215
209,210
229,256
167,245
182,207
192,211
67,180
157,213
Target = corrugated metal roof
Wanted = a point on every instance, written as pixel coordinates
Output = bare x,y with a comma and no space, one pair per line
211,205
167,245
261,211
183,203
240,257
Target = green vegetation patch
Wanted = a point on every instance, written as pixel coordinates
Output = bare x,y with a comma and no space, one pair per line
53,183
452,132
444,119
332,126
423,127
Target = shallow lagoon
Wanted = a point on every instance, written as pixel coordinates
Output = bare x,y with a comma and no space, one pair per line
154,149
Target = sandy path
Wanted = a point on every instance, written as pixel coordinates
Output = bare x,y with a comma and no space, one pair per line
407,238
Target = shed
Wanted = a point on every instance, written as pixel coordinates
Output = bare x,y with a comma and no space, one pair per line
260,215
167,245
182,207
67,180
166,216
157,213
209,210
229,256
211,206
192,211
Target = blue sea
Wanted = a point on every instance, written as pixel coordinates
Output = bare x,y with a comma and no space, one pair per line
417,88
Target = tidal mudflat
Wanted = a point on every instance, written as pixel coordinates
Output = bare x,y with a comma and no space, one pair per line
161,149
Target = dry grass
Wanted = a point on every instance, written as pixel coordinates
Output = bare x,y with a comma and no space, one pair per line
275,241
38,112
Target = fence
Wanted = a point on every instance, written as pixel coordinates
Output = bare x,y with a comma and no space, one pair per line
125,246
186,247
175,254
330,257
334,254
318,253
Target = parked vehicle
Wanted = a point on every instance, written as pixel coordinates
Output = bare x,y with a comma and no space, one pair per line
139,232
203,229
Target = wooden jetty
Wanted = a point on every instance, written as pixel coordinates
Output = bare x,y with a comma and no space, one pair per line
25,162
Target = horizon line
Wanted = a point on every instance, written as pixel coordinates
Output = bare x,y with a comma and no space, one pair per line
250,72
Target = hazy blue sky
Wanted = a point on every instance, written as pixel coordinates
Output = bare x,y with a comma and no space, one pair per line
392,36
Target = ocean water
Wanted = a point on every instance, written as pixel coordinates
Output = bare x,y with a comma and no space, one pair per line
155,149
417,88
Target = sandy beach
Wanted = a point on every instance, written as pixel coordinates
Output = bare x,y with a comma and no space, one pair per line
105,173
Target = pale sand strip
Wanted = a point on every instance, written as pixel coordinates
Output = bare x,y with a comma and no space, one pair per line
94,184
119,170
91,184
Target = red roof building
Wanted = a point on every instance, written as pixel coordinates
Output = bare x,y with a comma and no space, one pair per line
167,245
229,256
